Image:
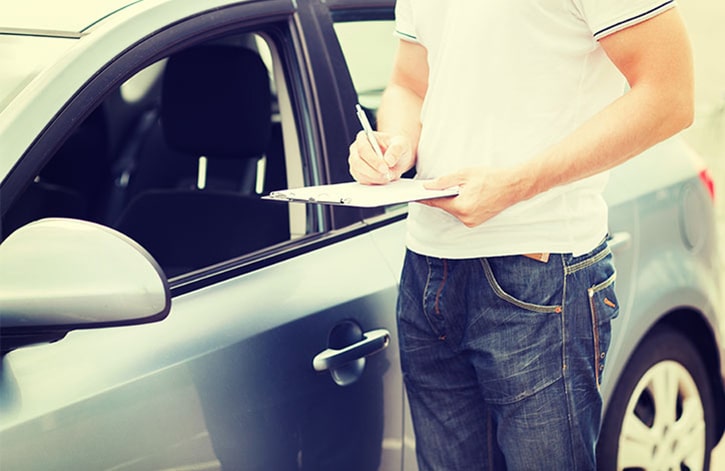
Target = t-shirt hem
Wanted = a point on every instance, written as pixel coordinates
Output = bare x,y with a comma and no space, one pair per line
576,248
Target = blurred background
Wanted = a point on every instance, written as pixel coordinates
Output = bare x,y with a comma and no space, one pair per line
705,21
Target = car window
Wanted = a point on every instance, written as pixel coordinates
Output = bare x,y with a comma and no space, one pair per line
138,87
369,48
179,156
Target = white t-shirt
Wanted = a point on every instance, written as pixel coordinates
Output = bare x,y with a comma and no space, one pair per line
509,78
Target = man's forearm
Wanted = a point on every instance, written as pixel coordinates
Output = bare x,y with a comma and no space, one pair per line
399,113
638,120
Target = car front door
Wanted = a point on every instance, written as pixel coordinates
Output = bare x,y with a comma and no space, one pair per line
279,356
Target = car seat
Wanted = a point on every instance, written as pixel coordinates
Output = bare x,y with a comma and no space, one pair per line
215,104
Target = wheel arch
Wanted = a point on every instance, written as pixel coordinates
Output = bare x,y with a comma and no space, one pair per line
695,327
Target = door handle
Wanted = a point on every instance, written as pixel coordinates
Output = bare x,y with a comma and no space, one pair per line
373,341
619,241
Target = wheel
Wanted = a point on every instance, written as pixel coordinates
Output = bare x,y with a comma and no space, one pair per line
661,414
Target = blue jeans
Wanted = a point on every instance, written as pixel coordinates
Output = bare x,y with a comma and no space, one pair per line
502,359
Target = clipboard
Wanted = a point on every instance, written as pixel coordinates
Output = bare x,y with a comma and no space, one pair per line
356,194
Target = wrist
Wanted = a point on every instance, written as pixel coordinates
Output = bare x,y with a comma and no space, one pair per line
522,184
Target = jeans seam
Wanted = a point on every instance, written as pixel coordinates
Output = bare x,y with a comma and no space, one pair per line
595,326
595,337
427,284
437,306
565,369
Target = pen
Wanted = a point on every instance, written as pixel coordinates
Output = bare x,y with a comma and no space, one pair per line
368,129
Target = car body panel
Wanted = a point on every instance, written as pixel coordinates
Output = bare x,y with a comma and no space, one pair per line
650,214
41,17
158,385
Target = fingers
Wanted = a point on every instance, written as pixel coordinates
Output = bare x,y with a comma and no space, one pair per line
365,166
447,203
483,193
446,181
461,208
397,149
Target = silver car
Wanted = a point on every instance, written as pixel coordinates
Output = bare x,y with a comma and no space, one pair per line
156,313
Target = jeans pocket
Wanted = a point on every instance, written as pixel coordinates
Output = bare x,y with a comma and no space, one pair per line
527,284
604,307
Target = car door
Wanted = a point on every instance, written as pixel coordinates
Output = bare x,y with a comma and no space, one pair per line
279,357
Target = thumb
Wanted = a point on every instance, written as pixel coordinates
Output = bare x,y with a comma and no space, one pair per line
396,148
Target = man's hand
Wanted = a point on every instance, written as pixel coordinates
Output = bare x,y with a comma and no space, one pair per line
484,193
398,118
367,168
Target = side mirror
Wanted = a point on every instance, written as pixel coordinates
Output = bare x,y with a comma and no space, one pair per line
57,275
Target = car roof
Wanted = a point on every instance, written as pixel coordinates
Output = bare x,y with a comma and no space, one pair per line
73,17
56,18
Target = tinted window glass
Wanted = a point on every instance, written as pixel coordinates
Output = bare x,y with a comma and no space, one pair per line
178,157
369,47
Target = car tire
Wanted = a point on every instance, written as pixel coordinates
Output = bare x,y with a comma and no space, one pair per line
661,412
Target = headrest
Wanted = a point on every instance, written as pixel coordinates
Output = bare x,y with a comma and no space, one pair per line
216,102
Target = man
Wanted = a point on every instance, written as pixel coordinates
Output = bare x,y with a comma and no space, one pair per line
507,293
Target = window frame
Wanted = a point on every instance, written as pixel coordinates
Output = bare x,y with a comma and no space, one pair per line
276,21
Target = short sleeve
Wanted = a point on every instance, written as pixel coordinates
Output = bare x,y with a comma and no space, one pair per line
404,25
605,17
